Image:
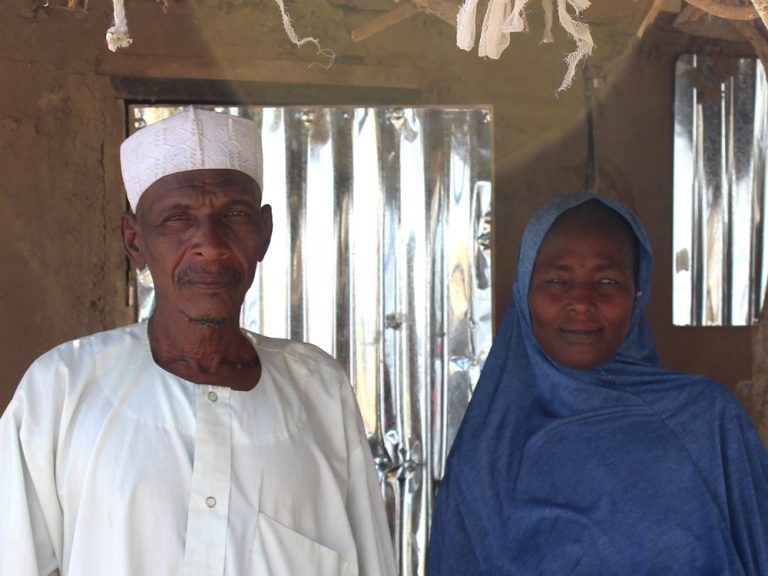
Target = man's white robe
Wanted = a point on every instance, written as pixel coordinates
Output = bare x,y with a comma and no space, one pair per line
111,466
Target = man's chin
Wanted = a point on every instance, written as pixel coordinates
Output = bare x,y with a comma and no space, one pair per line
211,318
211,313
208,322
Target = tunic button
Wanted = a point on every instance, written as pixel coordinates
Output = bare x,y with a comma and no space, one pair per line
212,396
210,501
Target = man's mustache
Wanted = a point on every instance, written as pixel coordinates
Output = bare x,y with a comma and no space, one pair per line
195,273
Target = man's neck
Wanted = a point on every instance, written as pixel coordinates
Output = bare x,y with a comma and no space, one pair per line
204,351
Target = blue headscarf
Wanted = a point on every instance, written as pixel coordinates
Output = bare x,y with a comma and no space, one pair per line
624,469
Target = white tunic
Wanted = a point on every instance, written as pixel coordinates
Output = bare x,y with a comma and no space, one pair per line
111,466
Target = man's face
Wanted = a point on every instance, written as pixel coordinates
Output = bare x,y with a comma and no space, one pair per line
582,290
201,233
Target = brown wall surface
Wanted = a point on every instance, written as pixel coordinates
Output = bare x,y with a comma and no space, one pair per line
62,118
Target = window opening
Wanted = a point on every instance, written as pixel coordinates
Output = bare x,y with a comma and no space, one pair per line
719,236
381,255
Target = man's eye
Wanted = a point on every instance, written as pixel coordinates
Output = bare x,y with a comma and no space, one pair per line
555,282
176,218
236,213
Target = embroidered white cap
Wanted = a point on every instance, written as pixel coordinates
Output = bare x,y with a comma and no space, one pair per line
193,139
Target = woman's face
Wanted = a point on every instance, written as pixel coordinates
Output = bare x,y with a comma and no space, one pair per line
582,289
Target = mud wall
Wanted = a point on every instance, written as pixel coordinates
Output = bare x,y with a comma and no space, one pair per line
62,118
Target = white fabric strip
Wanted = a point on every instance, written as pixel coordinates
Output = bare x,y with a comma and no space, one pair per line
502,18
549,9
493,39
579,31
288,26
118,35
465,25
516,21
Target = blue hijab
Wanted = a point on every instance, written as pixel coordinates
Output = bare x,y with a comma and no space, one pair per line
625,469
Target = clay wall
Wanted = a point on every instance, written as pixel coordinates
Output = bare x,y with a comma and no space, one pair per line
62,118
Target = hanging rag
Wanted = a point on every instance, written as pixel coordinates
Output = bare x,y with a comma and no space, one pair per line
502,18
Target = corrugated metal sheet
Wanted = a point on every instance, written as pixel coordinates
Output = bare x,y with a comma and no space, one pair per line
381,255
720,175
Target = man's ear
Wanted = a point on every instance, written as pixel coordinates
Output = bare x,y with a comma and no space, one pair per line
130,230
266,227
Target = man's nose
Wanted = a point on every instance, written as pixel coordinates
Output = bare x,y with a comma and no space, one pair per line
210,239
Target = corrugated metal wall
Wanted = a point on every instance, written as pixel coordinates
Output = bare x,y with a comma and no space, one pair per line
381,256
720,175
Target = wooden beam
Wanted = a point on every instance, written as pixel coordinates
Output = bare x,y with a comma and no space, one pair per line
727,11
696,22
288,72
762,8
657,7
384,21
755,37
446,10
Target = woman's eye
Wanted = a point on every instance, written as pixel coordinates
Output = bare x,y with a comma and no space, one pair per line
555,282
607,281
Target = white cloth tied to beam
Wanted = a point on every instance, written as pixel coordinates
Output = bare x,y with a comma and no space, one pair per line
503,17
117,34
119,37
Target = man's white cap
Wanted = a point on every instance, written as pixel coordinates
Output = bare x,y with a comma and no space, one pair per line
193,139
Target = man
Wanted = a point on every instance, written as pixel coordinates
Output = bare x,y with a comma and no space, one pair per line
187,445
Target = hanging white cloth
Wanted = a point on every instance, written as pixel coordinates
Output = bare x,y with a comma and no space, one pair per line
119,37
288,26
493,38
502,18
117,34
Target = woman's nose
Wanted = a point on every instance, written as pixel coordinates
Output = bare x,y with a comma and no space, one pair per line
581,297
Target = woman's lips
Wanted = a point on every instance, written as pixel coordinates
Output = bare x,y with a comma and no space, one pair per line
580,335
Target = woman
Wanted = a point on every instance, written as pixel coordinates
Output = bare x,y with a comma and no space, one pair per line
578,453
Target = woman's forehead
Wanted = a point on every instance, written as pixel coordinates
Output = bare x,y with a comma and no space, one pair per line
582,242
592,212
593,228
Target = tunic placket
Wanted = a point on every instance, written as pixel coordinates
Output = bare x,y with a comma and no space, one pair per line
206,539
